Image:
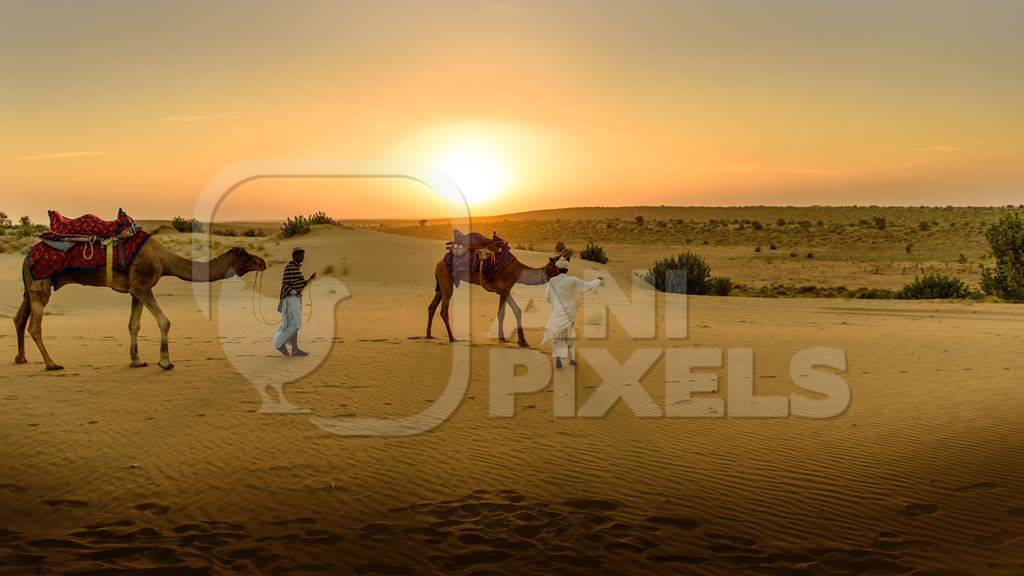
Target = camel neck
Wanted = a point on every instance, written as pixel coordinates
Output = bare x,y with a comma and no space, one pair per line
193,271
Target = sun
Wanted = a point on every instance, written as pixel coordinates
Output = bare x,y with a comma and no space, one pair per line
480,171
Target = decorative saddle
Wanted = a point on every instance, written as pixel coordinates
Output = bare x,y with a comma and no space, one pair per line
85,243
475,252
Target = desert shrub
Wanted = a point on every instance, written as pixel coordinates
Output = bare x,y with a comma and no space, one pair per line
319,218
186,225
773,247
5,221
910,248
757,248
26,228
251,233
780,222
962,259
594,253
810,255
756,225
423,222
934,286
559,246
1006,239
793,254
225,232
880,222
686,273
639,220
329,269
805,224
924,225
720,286
295,226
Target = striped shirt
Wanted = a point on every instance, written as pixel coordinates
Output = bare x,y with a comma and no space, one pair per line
292,279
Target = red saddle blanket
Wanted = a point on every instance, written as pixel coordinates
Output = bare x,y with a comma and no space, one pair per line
54,255
91,225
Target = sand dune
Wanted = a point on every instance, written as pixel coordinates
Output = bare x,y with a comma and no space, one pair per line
109,468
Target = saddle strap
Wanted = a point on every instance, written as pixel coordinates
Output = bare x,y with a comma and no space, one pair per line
110,262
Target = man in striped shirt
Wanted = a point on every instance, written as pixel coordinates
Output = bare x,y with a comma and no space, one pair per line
290,304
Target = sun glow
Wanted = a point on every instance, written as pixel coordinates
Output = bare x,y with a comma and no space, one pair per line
480,172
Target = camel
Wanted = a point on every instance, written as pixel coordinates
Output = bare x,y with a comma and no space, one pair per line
153,262
515,273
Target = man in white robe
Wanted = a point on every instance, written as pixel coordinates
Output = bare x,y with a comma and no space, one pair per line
563,292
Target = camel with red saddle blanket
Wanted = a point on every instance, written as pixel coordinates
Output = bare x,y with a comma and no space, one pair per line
117,255
488,263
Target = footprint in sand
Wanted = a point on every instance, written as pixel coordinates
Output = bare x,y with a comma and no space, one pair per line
65,503
152,508
979,487
915,510
1001,538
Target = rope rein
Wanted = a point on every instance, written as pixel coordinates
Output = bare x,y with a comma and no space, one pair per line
256,303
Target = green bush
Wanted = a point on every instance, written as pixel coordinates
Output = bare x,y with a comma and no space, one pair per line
251,233
1006,239
182,225
924,225
686,273
594,253
720,286
225,232
756,225
880,222
934,286
319,218
295,226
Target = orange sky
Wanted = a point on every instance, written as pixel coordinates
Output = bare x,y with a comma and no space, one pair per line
138,104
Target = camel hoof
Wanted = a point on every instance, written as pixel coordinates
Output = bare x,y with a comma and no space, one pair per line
166,366
453,339
20,360
523,344
503,340
54,367
138,364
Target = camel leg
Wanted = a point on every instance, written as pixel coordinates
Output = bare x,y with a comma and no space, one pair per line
519,320
165,326
446,297
134,323
431,309
501,316
37,304
20,323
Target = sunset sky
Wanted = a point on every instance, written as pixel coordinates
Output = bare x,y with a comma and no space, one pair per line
527,104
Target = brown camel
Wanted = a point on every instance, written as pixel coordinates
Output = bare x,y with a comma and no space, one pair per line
153,262
515,273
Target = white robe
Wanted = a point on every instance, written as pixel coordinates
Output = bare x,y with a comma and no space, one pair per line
564,292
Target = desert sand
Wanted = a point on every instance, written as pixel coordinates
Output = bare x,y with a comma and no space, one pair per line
105,467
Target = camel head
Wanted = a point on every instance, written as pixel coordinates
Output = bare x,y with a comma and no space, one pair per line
550,269
242,262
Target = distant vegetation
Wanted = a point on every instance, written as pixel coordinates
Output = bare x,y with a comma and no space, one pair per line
320,218
686,273
301,224
186,225
934,286
594,253
295,226
1006,239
